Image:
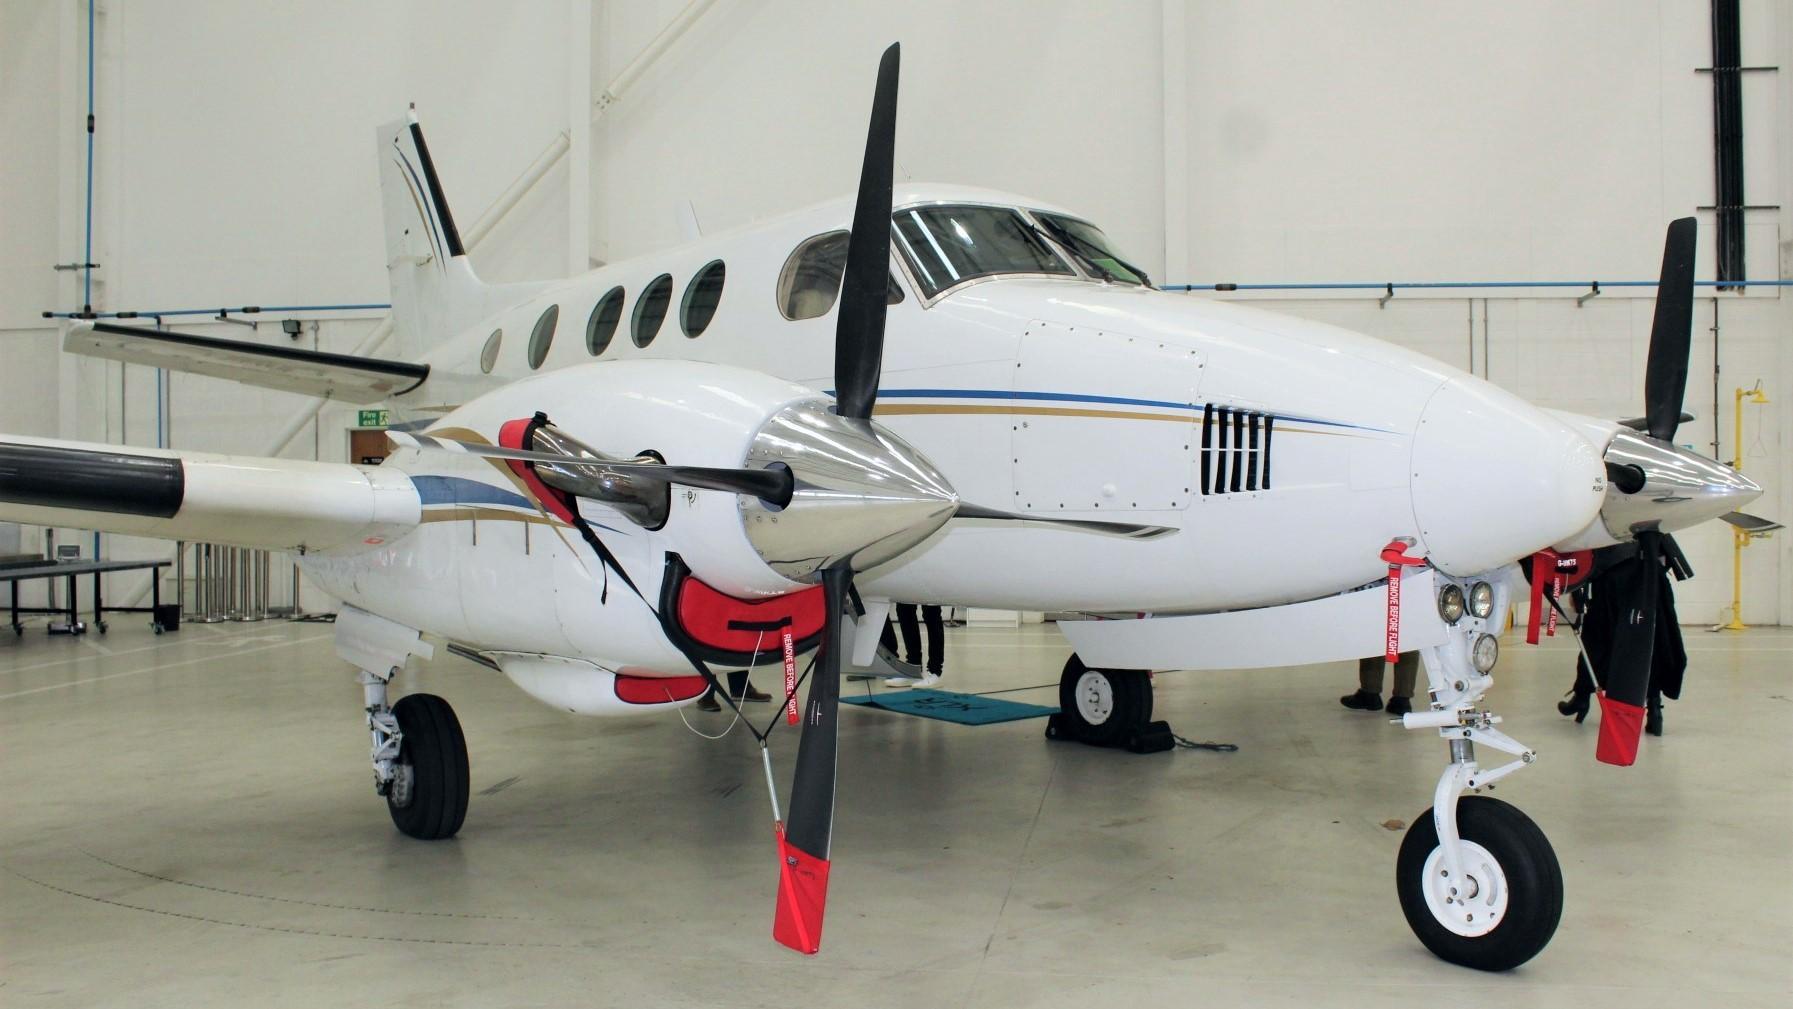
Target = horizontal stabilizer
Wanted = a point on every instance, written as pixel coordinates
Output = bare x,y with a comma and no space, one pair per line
279,504
289,369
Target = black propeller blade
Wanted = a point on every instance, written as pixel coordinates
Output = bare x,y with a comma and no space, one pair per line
1128,530
808,830
1671,334
770,484
865,284
803,849
1627,598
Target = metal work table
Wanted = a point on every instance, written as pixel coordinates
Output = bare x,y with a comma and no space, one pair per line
72,570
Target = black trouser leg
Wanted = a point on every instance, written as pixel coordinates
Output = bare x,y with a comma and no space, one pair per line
930,615
737,683
911,633
1584,680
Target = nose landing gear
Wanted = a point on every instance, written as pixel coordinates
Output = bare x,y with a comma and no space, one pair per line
1478,882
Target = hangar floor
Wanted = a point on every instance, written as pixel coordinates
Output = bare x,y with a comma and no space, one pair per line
188,821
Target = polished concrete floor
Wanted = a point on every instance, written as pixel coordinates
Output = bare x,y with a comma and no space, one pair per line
188,821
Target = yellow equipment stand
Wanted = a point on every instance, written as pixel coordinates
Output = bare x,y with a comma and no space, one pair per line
1741,537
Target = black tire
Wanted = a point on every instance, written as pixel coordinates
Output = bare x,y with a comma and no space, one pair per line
1130,691
1534,884
435,751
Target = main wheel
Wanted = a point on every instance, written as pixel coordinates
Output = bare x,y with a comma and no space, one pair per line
1102,704
1515,887
428,799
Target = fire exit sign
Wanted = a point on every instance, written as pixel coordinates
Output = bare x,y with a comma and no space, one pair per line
373,418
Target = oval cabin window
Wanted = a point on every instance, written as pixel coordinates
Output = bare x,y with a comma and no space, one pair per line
602,324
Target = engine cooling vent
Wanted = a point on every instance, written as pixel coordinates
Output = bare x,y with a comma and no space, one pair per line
1235,449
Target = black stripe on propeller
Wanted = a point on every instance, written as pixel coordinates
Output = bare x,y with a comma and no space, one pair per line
865,284
1671,334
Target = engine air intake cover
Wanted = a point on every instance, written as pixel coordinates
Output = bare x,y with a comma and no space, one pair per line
729,631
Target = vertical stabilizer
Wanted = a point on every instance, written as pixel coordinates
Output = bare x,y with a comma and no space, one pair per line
435,292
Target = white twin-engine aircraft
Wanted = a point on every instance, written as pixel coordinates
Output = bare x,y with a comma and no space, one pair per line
607,485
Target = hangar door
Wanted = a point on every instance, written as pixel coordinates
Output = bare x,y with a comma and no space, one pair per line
1104,422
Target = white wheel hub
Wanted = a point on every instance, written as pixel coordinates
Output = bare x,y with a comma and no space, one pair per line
1095,697
1470,907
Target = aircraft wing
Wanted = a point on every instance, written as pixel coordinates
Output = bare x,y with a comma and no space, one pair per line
280,504
290,369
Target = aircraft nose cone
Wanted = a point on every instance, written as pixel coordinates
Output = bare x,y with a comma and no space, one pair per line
1496,479
861,493
1678,488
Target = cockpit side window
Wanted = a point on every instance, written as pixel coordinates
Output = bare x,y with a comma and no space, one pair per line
810,282
946,246
1087,242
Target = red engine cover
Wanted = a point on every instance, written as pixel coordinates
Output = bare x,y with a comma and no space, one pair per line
718,620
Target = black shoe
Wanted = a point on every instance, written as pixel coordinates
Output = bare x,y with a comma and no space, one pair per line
1362,700
1399,705
1575,703
708,702
1653,720
756,695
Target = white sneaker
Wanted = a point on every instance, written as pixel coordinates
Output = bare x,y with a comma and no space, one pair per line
901,681
928,680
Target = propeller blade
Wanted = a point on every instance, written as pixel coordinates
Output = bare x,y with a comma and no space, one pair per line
807,833
1635,586
865,284
1671,334
771,484
1643,423
1750,523
1129,530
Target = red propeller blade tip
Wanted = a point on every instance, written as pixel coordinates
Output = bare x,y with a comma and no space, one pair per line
1621,727
802,898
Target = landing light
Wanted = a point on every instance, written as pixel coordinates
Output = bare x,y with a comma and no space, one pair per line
1481,600
1484,653
1450,604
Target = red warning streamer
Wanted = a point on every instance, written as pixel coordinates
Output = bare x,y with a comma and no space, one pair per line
790,679
1396,556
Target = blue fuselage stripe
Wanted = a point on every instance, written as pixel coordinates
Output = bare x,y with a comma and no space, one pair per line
435,490
1073,397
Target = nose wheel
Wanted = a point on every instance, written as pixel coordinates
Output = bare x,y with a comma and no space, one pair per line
1502,907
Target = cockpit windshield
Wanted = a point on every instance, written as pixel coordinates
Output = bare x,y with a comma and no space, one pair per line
1087,242
948,245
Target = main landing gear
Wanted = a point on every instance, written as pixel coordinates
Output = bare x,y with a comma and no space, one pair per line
419,753
1478,882
1107,707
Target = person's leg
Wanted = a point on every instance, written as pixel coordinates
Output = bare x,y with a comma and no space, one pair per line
1369,686
741,688
911,633
1400,696
1406,675
930,615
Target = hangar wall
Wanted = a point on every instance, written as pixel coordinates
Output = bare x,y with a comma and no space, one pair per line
1219,140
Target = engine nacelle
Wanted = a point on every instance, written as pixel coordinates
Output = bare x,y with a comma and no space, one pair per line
860,494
